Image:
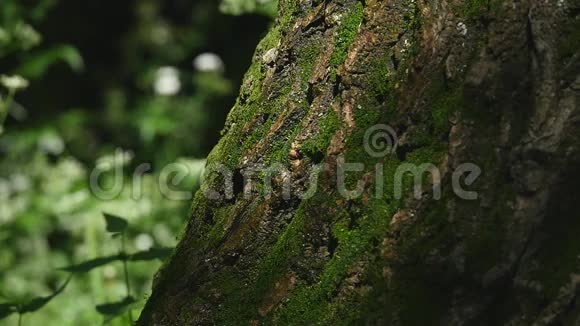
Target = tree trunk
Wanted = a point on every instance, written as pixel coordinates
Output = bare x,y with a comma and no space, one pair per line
480,94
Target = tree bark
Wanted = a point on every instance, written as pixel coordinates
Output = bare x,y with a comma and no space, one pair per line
487,82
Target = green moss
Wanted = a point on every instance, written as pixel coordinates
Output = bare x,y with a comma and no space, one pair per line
241,300
473,9
346,34
287,8
237,306
379,80
312,303
445,103
328,125
307,56
229,148
269,41
285,251
222,218
281,142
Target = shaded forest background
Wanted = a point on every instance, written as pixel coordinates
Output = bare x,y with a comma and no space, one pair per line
95,71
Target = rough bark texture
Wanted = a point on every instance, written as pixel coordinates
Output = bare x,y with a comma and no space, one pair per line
490,82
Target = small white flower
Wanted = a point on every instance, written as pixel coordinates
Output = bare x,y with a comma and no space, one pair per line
167,81
143,242
27,35
208,62
51,143
335,18
462,28
14,83
20,182
5,189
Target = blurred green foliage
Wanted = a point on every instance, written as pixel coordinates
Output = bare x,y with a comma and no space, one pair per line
144,85
239,7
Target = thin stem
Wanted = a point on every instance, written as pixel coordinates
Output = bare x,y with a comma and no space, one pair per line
5,108
3,111
124,253
126,270
19,319
93,246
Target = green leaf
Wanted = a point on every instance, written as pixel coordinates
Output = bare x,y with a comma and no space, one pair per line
41,9
36,65
151,254
115,224
91,264
115,308
7,309
240,7
37,303
212,82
